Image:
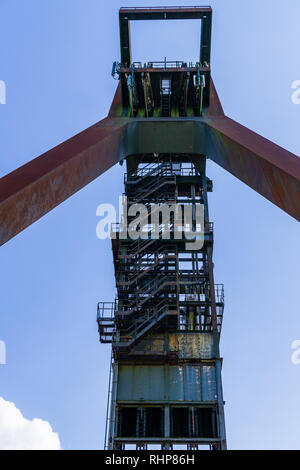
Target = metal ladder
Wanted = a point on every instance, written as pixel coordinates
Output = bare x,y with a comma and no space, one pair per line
165,96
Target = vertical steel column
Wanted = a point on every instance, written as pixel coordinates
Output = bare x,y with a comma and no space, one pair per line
112,421
221,415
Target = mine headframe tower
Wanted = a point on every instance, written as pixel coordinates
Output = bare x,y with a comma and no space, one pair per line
164,326
165,323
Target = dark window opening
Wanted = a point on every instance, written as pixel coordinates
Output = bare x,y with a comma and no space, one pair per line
154,422
140,422
205,422
180,422
193,422
127,420
148,422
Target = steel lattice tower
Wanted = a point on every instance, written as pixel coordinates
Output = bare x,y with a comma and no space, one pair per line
166,321
165,121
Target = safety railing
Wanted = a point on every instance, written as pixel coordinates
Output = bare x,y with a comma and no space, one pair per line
163,169
202,294
106,310
167,8
151,231
140,325
219,293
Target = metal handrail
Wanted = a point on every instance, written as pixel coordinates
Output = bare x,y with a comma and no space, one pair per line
148,170
140,270
102,309
168,166
170,7
117,227
133,330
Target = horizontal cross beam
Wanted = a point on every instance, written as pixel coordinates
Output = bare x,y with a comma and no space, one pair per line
34,189
165,13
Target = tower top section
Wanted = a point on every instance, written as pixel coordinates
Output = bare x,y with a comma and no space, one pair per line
203,13
164,88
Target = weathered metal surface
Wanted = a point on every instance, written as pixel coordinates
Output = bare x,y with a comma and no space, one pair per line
165,135
34,189
31,191
192,345
205,38
215,107
116,105
195,345
209,383
267,168
184,383
152,344
264,166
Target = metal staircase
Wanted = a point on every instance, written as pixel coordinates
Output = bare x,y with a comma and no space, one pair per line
135,270
138,328
140,175
149,180
153,291
144,294
158,183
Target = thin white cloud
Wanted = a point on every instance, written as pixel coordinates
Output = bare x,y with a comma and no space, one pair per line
19,433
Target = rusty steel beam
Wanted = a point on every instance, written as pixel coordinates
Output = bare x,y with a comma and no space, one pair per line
267,168
215,106
34,189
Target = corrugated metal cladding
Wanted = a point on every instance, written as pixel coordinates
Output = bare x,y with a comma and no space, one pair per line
187,345
167,383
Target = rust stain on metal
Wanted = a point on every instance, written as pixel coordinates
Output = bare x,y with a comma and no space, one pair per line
215,107
173,342
34,189
267,168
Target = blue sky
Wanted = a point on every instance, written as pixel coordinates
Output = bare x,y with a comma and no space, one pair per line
56,61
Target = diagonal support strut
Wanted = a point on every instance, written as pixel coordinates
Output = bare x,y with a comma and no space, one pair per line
34,189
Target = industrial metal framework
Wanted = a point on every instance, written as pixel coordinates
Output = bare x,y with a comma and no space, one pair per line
166,321
165,324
